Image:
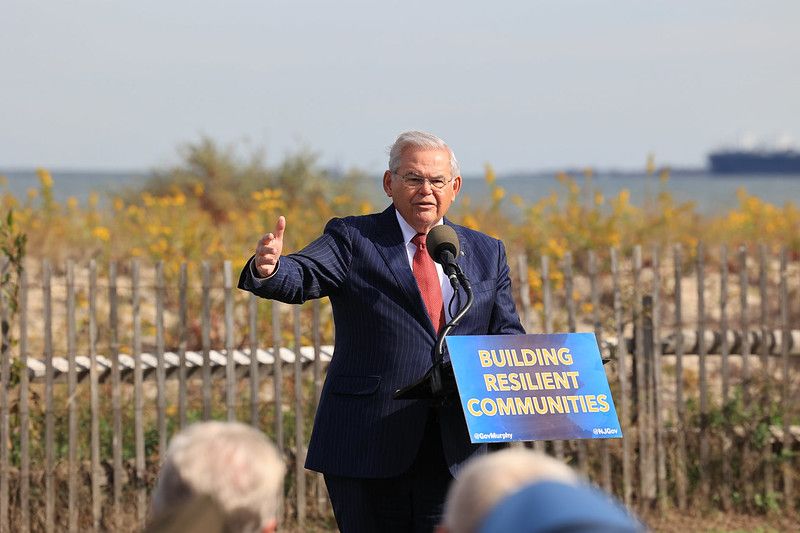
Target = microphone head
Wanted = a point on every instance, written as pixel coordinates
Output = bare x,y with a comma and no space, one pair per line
441,238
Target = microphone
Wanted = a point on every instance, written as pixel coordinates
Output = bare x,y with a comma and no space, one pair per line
443,247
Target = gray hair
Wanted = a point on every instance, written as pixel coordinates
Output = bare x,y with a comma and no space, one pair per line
419,139
233,463
489,478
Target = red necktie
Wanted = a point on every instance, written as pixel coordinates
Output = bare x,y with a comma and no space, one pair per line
428,282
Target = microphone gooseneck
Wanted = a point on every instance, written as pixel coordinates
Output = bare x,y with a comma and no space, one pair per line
443,247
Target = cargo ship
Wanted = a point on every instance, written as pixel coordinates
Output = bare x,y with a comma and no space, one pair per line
757,162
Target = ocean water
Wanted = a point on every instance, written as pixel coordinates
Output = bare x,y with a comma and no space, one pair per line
711,194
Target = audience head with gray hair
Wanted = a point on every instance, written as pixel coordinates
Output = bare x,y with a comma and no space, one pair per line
228,470
529,492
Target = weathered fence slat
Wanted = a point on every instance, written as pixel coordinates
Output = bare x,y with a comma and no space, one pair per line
723,323
622,370
786,399
49,430
547,295
766,451
744,326
5,374
230,364
252,320
639,365
524,291
24,409
94,395
657,405
319,489
299,437
183,330
72,382
680,406
277,379
161,372
116,400
705,488
727,475
317,342
605,452
206,339
138,397
277,375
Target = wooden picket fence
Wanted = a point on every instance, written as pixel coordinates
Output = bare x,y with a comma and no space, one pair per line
724,438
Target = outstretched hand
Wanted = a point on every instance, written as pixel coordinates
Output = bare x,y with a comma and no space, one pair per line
269,249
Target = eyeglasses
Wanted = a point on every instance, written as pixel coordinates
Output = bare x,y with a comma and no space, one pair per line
412,181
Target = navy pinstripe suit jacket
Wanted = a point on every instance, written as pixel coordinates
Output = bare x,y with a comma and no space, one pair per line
384,340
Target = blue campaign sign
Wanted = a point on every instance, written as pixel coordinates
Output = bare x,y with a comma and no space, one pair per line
533,387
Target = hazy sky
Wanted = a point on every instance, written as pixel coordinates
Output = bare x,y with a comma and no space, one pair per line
524,85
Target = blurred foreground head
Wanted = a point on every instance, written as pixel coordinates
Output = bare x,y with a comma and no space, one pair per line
524,491
216,474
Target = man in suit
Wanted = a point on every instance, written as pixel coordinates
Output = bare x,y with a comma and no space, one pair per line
388,462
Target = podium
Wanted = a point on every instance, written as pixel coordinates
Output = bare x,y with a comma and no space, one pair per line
530,387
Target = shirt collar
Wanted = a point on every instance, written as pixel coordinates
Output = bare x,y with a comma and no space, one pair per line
405,227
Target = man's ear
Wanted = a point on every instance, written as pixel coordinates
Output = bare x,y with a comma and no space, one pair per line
456,185
271,527
387,183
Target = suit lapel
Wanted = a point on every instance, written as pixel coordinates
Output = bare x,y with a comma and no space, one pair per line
390,244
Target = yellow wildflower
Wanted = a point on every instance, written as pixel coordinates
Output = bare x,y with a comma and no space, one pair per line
45,178
490,176
102,233
498,193
598,198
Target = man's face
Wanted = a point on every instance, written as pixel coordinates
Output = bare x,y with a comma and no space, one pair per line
422,206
